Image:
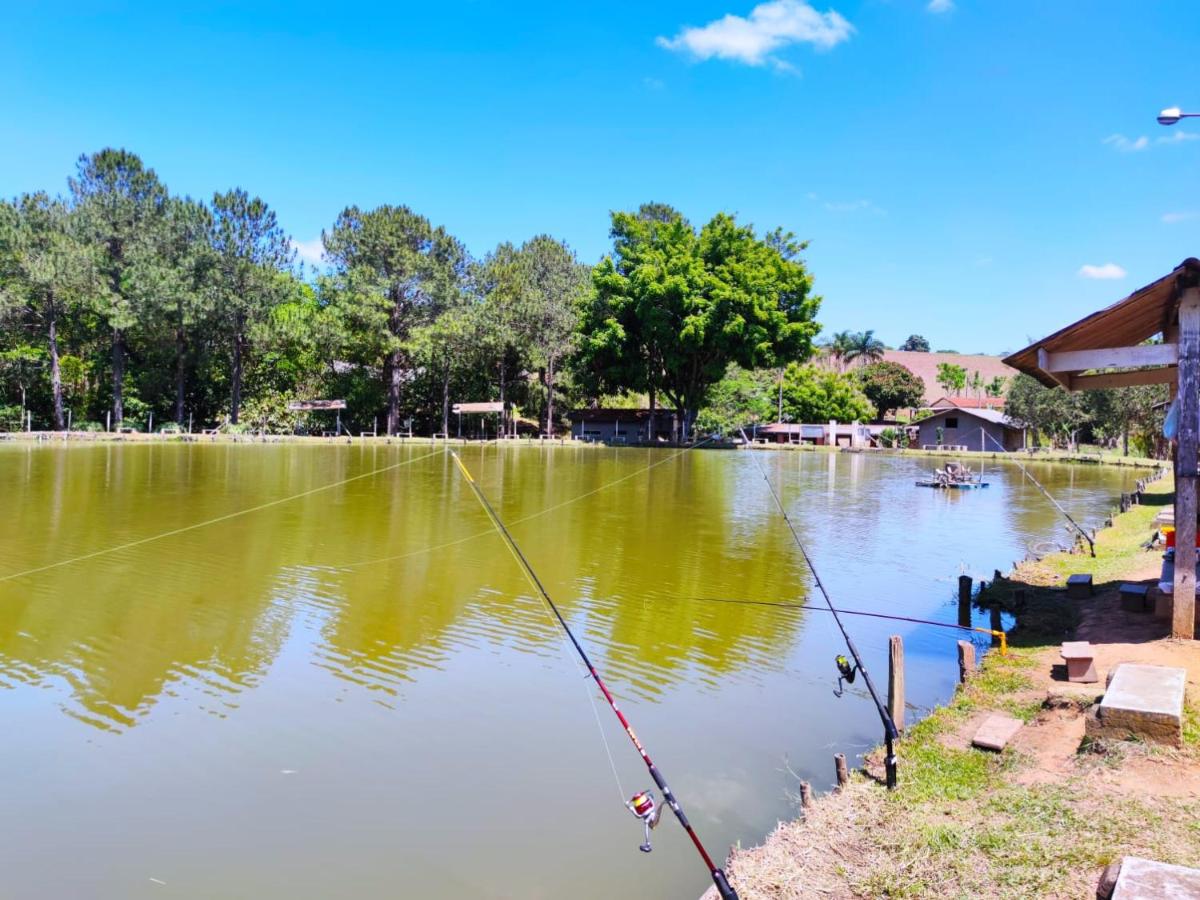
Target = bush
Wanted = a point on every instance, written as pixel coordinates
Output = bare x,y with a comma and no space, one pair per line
11,418
87,426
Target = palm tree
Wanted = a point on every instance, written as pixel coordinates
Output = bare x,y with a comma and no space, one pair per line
838,346
865,347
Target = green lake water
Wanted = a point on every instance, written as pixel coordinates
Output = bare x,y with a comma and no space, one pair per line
355,693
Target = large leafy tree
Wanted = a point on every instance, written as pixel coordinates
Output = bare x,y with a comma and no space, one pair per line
742,397
814,395
46,275
674,306
915,343
1053,411
184,280
394,273
952,378
500,280
554,287
121,205
250,249
890,386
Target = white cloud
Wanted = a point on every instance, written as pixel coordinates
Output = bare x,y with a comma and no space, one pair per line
1133,145
1106,272
1178,137
1174,218
1127,145
851,206
940,6
310,251
771,26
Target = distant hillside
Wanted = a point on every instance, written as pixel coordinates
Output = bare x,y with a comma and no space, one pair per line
925,365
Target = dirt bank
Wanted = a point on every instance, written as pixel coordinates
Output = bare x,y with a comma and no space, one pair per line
1041,819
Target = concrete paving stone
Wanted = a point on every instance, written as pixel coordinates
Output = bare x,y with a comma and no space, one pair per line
1145,879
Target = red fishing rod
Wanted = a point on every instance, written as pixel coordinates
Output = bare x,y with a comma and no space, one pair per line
641,804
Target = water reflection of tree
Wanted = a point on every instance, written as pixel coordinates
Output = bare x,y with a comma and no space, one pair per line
192,614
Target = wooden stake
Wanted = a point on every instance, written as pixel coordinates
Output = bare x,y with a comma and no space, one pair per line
806,797
964,600
966,661
843,774
896,680
1183,622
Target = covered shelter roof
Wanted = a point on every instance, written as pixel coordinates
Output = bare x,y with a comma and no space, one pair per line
1150,310
995,416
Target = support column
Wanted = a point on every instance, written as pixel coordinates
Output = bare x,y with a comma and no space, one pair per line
1183,617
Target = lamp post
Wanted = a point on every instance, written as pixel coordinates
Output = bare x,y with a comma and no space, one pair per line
1173,114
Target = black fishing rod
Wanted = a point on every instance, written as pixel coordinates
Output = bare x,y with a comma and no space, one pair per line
1038,485
641,804
890,732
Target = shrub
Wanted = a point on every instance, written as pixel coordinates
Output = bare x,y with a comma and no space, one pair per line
11,418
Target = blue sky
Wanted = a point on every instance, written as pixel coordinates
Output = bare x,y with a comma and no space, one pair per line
956,165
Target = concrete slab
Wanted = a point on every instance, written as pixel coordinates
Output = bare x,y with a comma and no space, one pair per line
1142,702
996,731
1144,879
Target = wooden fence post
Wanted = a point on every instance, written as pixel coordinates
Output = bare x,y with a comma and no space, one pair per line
964,600
966,661
896,680
843,774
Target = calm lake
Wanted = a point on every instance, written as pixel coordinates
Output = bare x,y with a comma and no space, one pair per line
355,693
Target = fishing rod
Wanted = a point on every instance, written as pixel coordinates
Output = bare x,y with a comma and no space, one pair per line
642,803
1087,537
782,604
890,732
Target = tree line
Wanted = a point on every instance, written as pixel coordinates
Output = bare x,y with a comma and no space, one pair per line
122,303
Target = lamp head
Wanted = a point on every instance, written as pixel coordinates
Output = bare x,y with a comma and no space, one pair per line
1170,116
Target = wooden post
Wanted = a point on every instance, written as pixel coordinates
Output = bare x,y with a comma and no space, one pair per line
966,661
806,797
964,600
996,625
1183,621
843,774
896,680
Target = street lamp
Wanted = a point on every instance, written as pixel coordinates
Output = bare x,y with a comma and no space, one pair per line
1173,114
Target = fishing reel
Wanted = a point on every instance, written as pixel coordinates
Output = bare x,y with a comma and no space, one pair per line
643,806
847,672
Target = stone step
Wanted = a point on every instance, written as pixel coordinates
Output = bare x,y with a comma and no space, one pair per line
996,731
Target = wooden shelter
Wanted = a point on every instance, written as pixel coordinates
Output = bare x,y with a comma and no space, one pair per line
1107,350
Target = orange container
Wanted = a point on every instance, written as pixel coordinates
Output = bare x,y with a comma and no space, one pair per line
1169,533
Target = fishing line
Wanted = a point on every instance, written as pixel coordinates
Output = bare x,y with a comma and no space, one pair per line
225,518
783,604
889,727
549,509
718,876
1038,485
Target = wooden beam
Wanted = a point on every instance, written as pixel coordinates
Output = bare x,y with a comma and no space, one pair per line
1165,375
1044,364
1183,612
1109,358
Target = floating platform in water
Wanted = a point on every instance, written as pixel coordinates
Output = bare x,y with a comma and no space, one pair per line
954,485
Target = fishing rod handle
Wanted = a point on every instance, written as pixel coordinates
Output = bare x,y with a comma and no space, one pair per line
723,888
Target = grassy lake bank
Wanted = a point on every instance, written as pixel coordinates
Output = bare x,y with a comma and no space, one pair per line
1044,817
